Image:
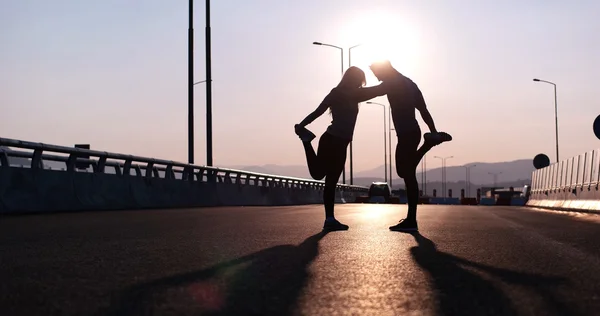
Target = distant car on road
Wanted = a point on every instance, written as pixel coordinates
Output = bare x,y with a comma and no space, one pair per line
379,192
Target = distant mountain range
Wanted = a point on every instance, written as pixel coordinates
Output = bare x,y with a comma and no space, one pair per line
516,173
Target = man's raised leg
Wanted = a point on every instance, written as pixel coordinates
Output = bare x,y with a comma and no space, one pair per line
408,158
431,140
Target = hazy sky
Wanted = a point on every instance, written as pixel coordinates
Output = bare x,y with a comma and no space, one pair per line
114,74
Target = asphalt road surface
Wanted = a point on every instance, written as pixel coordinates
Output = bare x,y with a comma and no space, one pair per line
466,260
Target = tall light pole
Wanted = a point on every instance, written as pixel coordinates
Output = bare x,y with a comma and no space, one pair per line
384,141
351,151
191,83
209,152
390,129
342,68
444,172
424,174
555,112
341,51
468,179
495,177
350,54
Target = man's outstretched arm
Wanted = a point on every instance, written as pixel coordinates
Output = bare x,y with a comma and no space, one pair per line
368,93
422,107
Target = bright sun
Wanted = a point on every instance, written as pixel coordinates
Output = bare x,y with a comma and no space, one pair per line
382,36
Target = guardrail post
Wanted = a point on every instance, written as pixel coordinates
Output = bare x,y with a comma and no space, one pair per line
138,171
577,175
150,169
118,170
211,176
591,170
583,169
4,159
169,174
100,167
36,160
188,173
71,161
227,177
127,167
200,175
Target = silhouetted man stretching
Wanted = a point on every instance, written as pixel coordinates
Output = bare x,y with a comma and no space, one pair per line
404,97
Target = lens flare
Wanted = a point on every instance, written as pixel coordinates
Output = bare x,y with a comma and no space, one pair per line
384,36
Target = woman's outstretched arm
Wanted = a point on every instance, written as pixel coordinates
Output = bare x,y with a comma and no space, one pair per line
316,113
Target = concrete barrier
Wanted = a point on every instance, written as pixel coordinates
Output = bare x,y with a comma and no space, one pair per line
487,201
24,190
571,184
116,181
518,201
444,201
468,201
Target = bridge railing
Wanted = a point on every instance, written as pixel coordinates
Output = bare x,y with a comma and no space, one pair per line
136,166
575,174
572,184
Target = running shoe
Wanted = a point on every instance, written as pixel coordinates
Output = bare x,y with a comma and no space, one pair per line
405,225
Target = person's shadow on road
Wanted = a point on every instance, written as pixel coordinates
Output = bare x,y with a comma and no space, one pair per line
267,282
461,289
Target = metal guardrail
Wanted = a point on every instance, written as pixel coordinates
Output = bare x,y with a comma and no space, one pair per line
569,175
129,165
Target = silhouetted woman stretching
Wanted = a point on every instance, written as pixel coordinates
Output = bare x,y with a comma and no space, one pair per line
330,159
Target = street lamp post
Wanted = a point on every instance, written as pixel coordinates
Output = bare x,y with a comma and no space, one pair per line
342,69
555,112
209,151
351,151
191,83
468,179
384,141
495,177
424,174
350,54
341,51
444,172
390,129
